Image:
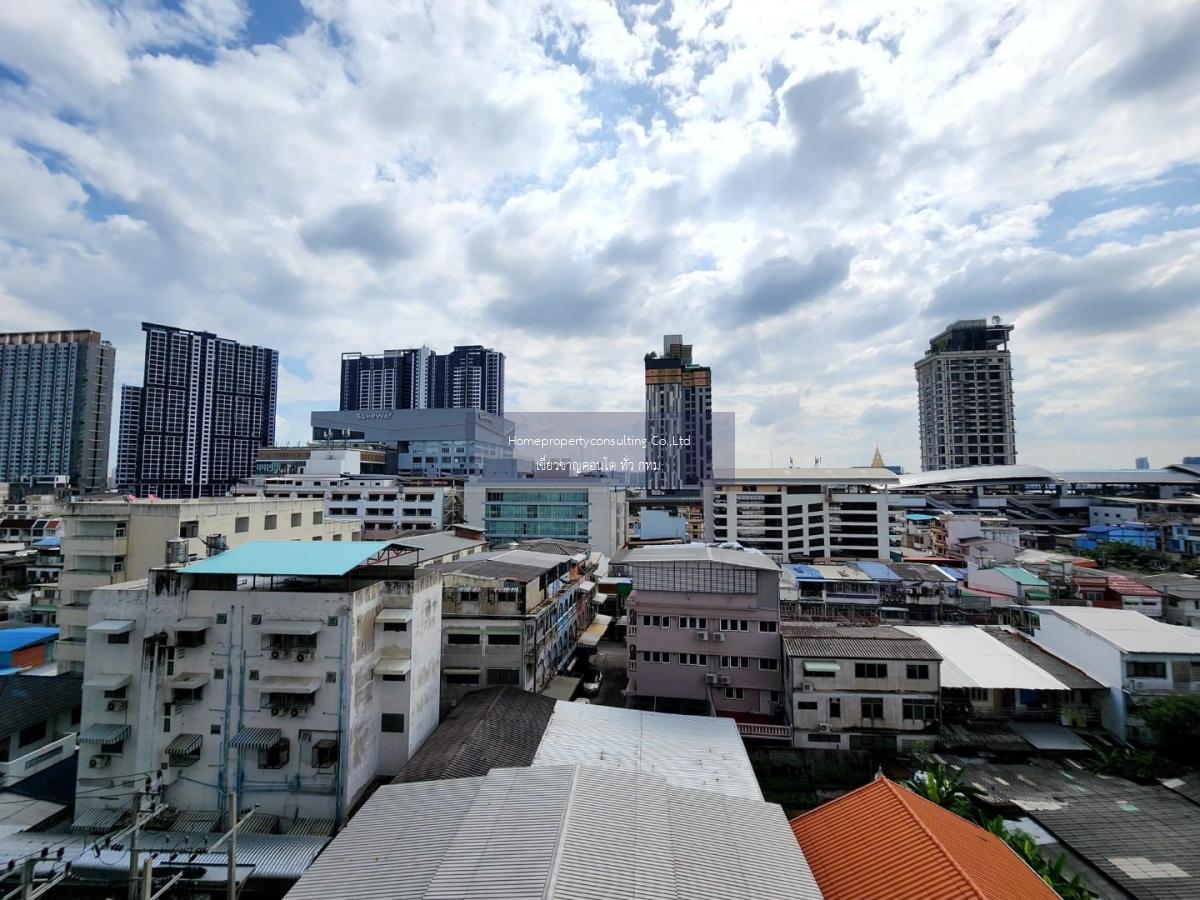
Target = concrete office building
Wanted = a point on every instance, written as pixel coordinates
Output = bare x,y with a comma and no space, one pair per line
56,391
293,674
205,407
703,629
468,377
796,515
320,459
422,442
109,542
590,511
679,448
964,389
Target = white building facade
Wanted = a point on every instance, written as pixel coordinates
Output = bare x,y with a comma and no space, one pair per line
583,510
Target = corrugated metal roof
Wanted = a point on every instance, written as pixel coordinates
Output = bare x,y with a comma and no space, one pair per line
17,812
884,842
676,553
97,821
394,615
1129,630
972,658
29,699
256,738
312,827
844,475
1020,576
541,832
196,821
259,823
561,687
311,558
877,570
805,573
104,733
1074,678
703,753
19,638
854,642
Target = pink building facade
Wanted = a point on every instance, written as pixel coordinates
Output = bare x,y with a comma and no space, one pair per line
703,629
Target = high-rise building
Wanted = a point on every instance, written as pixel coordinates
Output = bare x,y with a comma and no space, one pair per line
964,386
205,406
1142,462
1191,461
469,377
678,418
56,392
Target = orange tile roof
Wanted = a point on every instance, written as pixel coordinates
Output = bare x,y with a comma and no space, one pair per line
884,842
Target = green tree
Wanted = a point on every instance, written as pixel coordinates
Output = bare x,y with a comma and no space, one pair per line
1175,723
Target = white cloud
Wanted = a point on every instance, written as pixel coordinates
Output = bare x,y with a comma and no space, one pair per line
1113,221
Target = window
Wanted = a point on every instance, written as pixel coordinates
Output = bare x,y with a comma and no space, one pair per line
189,529
331,621
768,627
806,704
733,693
835,708
269,522
870,670
735,624
693,659
324,754
34,732
693,622
254,674
214,728
395,626
503,676
735,662
297,520
256,619
978,695
218,674
872,707
275,757
917,671
462,678
399,677
222,618
656,621
655,656
331,677
824,739
456,637
919,709
118,564
1141,669
241,524
122,638
503,640
768,665
392,723
317,518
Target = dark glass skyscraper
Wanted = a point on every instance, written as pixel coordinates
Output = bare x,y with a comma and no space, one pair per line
468,377
205,406
56,391
679,451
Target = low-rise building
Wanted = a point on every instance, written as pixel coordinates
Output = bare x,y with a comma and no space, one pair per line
703,629
861,688
1181,593
1138,534
1135,657
588,510
26,647
802,515
290,673
112,541
1011,581
1104,589
39,718
510,617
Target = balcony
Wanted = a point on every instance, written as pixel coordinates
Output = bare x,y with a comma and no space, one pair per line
70,649
1159,686
764,732
35,760
97,545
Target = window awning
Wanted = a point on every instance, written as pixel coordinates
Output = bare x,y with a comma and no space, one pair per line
108,682
595,631
291,627
462,629
256,738
394,615
393,666
822,667
184,745
460,671
104,733
189,681
193,625
112,626
587,586
289,684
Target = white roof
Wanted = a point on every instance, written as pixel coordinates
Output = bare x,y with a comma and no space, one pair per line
697,553
700,752
1128,630
854,474
546,832
973,474
972,658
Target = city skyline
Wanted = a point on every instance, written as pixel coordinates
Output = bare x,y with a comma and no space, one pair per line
606,175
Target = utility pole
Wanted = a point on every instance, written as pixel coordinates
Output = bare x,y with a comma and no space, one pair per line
135,811
147,891
231,871
27,878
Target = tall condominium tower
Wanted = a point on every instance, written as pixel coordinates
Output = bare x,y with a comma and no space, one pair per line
469,377
678,418
964,388
56,390
205,406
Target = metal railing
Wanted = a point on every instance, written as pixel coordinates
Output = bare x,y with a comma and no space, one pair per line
767,732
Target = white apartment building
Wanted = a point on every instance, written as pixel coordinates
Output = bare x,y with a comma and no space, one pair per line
1134,656
293,674
798,515
590,511
386,504
109,542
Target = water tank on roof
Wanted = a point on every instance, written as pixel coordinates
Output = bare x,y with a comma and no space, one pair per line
177,551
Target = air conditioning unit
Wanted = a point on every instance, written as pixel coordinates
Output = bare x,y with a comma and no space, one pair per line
702,635
807,686
711,679
295,713
100,761
274,654
116,705
718,635
825,728
274,711
300,657
725,679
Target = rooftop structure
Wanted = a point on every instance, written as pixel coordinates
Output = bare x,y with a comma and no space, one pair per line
536,833
884,842
971,658
1074,678
856,642
1128,631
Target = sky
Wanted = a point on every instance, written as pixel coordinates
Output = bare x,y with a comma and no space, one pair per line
807,191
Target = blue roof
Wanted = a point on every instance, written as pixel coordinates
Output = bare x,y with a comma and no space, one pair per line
292,558
877,570
53,541
18,638
806,573
919,517
956,574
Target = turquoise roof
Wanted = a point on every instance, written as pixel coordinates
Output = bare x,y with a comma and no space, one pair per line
1021,576
291,558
